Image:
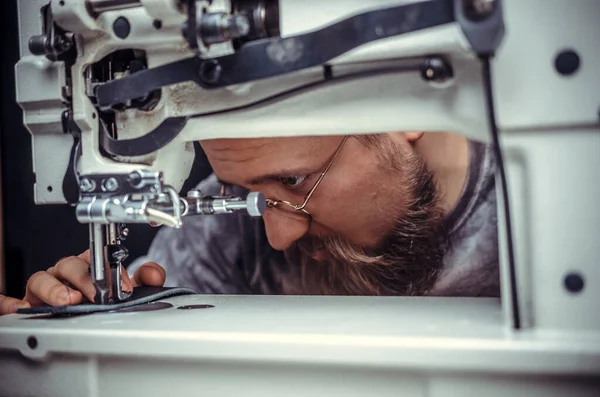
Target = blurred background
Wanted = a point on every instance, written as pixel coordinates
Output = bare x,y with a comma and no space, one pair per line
34,237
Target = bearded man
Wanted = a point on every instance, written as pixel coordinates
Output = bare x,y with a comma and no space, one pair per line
405,213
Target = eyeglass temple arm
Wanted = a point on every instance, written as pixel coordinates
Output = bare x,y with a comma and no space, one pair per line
310,193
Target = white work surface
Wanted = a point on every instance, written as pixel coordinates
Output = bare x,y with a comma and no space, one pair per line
295,346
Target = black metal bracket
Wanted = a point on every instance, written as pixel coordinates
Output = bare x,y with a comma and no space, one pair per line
277,56
70,187
151,142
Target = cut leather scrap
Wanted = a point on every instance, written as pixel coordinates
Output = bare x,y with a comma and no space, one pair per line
140,295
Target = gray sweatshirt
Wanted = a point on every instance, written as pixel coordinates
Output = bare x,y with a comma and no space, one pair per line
230,254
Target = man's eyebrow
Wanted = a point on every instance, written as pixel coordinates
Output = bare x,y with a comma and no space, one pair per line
274,177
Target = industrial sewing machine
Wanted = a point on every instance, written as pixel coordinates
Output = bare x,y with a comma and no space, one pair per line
115,91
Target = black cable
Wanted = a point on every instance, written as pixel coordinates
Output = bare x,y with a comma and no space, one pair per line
329,79
489,99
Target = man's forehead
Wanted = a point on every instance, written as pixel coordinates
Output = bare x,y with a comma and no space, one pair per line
244,159
233,145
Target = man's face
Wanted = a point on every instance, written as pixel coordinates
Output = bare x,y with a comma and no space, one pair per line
367,200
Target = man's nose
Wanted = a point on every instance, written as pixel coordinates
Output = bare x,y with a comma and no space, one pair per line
282,231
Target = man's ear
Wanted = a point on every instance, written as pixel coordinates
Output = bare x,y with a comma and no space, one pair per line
413,136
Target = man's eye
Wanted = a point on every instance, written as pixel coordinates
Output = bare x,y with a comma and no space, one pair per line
293,181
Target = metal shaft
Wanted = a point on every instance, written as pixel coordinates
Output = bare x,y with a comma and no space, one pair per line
255,205
99,267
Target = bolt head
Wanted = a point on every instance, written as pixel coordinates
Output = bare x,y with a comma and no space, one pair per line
210,71
437,70
110,184
87,185
567,62
135,179
574,282
62,44
238,25
194,193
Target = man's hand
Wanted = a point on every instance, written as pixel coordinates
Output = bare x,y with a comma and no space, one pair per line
50,286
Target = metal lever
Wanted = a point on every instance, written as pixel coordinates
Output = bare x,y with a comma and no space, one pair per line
194,204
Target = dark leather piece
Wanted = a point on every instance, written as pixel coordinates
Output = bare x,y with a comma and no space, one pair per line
141,295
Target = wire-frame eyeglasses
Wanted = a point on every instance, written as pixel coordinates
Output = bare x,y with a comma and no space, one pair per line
299,210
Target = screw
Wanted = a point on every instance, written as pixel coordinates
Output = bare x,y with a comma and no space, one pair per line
110,184
124,232
210,71
121,27
237,25
86,185
32,342
61,44
135,179
567,62
194,193
436,70
37,45
574,282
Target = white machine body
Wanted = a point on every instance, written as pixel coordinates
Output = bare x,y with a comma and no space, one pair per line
541,338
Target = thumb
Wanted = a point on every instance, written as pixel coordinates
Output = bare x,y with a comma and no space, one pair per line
151,274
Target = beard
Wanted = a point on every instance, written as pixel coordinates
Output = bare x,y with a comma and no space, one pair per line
407,262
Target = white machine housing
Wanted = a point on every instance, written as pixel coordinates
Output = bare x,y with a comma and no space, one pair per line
550,139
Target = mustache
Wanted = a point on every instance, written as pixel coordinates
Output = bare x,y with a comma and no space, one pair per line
337,248
407,263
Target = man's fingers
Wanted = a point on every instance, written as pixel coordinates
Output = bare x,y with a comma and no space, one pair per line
10,305
74,270
42,287
151,274
85,256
